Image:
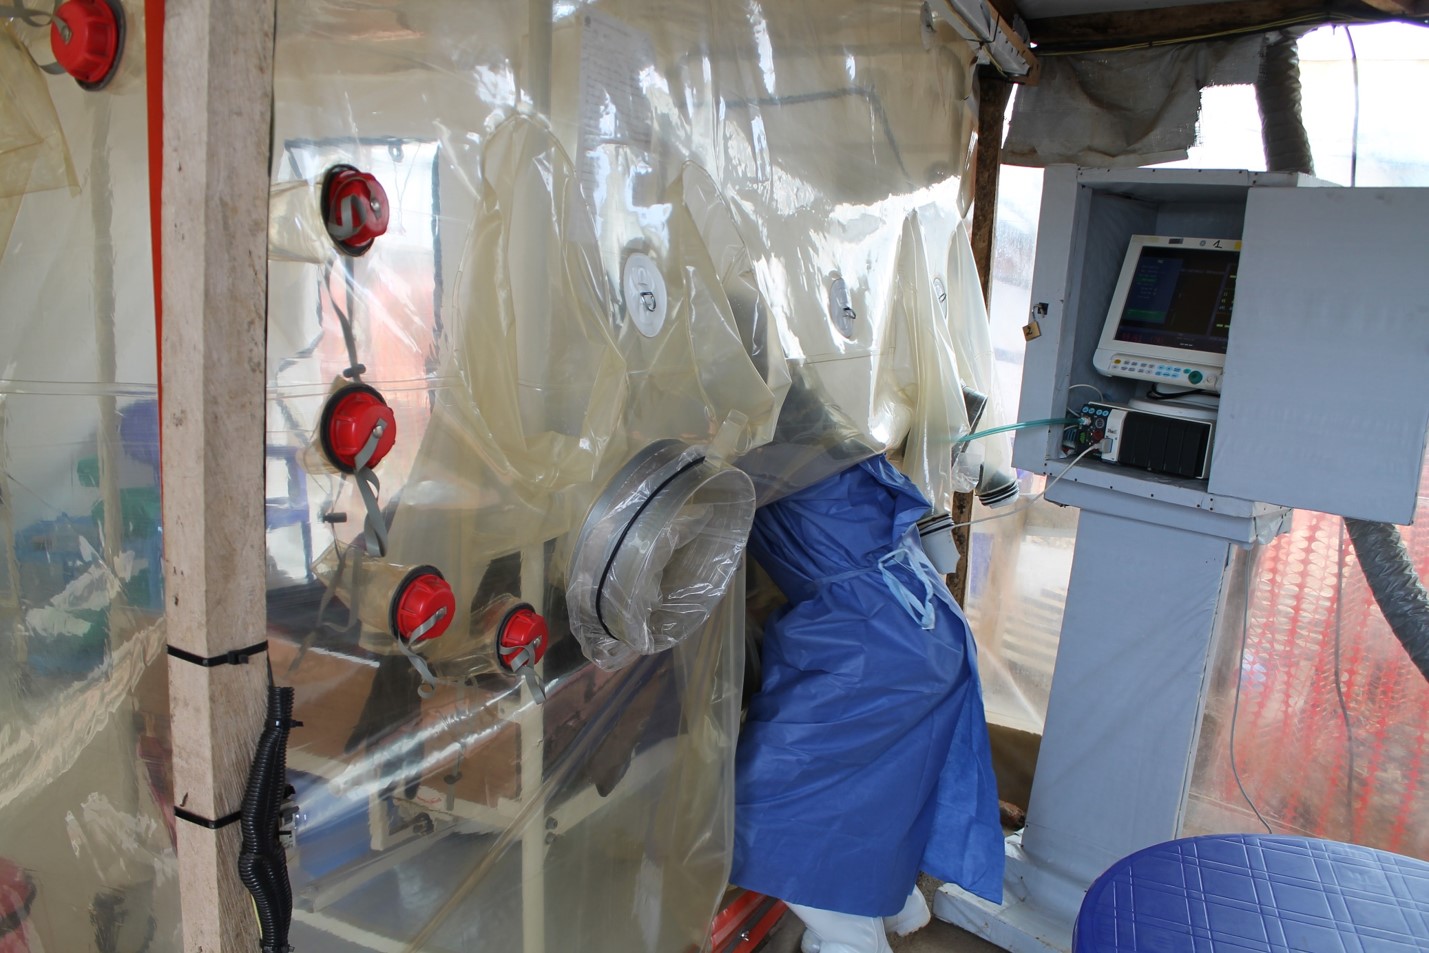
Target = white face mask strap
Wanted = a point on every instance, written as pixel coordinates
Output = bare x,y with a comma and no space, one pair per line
922,610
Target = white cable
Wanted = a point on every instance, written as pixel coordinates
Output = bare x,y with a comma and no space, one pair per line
1033,499
1339,681
1094,390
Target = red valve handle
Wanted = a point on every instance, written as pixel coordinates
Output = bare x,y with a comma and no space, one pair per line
87,38
354,207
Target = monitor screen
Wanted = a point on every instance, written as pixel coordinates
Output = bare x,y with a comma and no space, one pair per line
1180,297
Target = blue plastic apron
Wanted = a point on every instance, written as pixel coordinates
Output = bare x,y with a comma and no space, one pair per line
865,755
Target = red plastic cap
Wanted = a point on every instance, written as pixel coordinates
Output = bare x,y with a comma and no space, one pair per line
424,595
355,413
521,628
355,208
85,39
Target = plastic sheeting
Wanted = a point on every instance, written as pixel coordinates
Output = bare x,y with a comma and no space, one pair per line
611,226
1330,713
85,800
34,156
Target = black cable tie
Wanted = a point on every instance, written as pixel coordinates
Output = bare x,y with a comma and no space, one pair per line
193,818
285,723
232,657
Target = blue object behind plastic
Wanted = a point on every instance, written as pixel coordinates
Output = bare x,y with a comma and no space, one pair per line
865,755
1246,893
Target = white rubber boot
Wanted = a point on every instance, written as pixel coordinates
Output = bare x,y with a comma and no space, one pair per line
914,916
830,932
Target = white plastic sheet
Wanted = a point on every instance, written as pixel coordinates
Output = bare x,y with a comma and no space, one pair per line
611,225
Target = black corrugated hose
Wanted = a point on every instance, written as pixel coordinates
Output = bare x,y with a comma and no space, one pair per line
1382,555
1395,584
263,864
1277,92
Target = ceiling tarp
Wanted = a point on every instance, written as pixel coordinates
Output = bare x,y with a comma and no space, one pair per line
1126,108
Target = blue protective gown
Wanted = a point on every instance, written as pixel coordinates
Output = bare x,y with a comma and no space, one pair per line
865,755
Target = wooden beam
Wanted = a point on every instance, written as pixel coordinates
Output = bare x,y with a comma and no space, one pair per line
1006,9
993,95
218,90
1002,15
1401,8
1203,20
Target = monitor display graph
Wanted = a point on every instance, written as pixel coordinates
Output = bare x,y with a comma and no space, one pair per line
1170,317
1181,298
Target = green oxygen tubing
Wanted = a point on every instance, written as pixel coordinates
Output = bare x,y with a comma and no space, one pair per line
1024,425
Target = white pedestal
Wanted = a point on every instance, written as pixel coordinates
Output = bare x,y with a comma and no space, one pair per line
1122,723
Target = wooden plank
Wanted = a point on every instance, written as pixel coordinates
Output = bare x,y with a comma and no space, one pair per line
1024,51
993,95
1006,9
218,61
1401,8
1173,24
1002,13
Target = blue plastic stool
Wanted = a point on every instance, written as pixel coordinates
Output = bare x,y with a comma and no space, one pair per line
1244,893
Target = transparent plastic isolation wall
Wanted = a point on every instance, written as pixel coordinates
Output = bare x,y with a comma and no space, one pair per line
86,826
722,239
1330,715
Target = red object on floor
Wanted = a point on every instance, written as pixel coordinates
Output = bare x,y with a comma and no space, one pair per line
17,893
743,925
755,935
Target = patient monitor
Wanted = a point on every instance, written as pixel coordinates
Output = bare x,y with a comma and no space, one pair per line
1171,314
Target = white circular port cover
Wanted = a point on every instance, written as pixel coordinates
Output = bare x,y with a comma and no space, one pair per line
841,310
645,295
940,297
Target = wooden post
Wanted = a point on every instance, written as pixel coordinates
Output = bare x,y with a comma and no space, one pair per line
218,89
993,94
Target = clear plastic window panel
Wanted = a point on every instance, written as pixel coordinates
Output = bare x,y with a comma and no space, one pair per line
1330,714
638,272
87,857
1019,564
